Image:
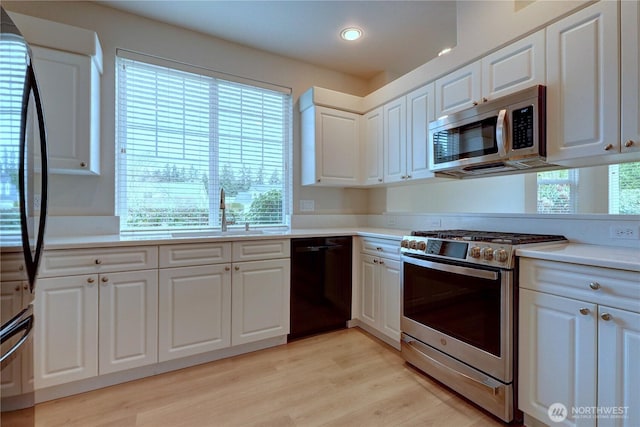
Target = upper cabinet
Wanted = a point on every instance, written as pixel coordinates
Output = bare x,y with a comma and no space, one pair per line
420,111
372,147
508,70
330,147
395,140
582,84
630,75
68,65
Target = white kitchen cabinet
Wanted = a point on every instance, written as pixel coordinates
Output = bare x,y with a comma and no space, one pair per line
515,67
459,90
260,300
583,103
70,89
579,340
630,75
372,144
66,329
330,147
128,320
420,111
194,309
395,140
379,290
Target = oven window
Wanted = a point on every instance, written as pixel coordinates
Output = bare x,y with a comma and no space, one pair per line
464,307
472,140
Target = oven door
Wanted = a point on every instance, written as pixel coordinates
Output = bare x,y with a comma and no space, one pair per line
461,310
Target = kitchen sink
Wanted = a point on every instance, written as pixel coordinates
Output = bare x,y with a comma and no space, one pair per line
216,233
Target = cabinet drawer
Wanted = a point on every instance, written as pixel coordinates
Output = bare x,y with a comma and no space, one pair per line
614,288
387,248
261,249
105,260
12,267
194,254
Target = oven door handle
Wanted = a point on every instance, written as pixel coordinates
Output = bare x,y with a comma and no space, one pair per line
493,387
465,271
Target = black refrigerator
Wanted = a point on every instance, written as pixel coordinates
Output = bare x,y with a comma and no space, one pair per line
23,209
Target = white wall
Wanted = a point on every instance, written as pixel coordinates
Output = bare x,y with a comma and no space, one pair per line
95,196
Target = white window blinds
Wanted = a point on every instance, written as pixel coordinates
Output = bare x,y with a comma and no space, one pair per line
13,63
183,136
558,191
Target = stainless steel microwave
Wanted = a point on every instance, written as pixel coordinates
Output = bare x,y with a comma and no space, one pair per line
502,136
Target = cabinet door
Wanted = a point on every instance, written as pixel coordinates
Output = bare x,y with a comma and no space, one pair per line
458,90
630,13
583,104
618,366
369,283
71,99
515,67
66,330
390,297
260,300
194,310
330,147
557,350
128,320
10,305
372,147
420,111
395,140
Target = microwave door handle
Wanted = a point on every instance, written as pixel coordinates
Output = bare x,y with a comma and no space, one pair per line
501,133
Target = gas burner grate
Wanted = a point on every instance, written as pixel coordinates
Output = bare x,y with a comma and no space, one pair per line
490,236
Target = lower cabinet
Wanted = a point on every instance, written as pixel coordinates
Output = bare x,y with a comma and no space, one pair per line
380,295
260,300
579,345
77,315
195,310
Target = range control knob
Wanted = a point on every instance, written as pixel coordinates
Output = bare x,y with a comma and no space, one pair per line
474,252
487,253
413,244
500,255
404,243
422,246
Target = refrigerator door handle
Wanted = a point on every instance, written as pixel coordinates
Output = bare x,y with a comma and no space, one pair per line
22,322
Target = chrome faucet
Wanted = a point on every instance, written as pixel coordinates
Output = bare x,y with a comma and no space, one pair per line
223,208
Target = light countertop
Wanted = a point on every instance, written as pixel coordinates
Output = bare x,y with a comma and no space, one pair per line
622,258
166,238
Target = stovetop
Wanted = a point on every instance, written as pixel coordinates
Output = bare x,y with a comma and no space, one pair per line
490,236
489,248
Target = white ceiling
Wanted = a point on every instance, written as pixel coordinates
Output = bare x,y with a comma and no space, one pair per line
398,35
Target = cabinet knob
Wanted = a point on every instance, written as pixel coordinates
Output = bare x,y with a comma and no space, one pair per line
381,262
484,99
227,268
319,180
83,164
104,279
608,147
379,249
584,311
237,268
408,176
21,267
90,280
605,316
379,179
475,103
375,261
98,261
25,287
17,288
403,177
628,144
594,285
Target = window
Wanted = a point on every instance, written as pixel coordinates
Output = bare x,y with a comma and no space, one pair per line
624,189
557,191
183,136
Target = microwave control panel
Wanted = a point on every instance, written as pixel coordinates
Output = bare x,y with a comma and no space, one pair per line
522,120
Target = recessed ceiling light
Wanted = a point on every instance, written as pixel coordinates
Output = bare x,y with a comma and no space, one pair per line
351,34
444,51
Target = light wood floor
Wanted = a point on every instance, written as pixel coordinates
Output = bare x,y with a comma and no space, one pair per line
343,378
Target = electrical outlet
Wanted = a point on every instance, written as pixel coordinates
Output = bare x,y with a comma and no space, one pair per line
624,232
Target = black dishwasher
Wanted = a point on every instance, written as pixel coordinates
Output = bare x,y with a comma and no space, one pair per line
320,285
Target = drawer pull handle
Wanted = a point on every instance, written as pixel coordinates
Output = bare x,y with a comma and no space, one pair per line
594,285
98,261
605,316
584,311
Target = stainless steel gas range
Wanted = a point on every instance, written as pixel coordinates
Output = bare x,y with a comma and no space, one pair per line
459,297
